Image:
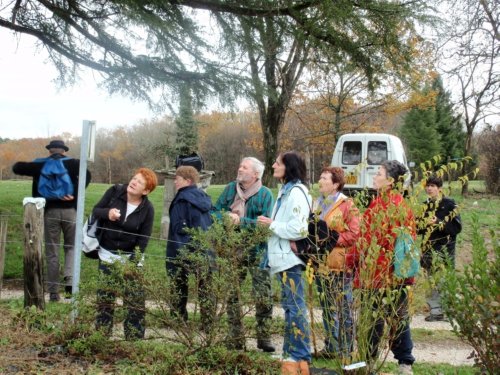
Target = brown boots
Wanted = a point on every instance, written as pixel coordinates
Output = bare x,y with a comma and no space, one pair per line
294,368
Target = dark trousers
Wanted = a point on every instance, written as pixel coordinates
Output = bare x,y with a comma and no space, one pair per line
134,301
262,294
431,260
179,275
57,220
395,314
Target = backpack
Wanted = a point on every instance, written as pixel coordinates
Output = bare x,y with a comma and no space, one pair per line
406,256
318,240
54,182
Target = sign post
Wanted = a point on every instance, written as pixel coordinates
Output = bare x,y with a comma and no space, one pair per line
86,153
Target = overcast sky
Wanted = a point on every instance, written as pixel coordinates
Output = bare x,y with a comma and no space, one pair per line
31,106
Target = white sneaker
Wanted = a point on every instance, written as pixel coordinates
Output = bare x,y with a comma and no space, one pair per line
405,370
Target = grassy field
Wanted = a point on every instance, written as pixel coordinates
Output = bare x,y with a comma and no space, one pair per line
12,193
486,209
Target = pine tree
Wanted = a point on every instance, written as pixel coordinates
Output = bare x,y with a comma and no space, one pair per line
448,125
433,129
420,135
187,126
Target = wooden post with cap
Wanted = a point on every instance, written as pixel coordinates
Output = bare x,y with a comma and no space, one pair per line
33,255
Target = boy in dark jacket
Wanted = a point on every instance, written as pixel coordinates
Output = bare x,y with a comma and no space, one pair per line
439,227
190,208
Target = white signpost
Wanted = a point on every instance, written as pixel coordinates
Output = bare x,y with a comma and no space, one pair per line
87,149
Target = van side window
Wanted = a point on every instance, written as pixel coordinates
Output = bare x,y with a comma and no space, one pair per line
377,152
351,153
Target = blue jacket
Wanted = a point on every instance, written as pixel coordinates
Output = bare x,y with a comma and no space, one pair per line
189,209
34,169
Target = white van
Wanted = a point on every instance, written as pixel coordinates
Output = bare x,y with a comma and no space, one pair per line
360,155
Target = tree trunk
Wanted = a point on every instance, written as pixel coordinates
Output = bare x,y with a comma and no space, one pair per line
270,130
109,170
33,261
465,165
3,238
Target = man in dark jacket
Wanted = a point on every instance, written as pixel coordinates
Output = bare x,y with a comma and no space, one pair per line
190,208
59,216
243,201
439,227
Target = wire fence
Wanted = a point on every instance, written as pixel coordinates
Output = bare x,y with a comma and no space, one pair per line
154,240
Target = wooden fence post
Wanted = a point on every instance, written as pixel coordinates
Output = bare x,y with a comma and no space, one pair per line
33,259
3,239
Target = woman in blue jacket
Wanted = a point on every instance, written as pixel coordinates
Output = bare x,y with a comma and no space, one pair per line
189,209
288,223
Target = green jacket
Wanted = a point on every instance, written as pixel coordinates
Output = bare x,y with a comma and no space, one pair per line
259,204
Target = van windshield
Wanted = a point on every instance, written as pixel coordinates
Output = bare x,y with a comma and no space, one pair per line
377,152
351,153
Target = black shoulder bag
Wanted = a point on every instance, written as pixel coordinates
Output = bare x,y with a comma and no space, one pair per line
319,239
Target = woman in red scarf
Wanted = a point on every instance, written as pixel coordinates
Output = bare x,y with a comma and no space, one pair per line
372,260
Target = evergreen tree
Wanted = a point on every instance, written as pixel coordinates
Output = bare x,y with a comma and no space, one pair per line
448,125
224,48
433,129
187,126
420,135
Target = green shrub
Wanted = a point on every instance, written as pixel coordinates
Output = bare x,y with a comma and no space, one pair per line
471,299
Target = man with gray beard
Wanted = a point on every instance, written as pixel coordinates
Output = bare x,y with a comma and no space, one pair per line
243,201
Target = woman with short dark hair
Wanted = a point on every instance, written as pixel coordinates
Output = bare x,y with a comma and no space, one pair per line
289,223
373,260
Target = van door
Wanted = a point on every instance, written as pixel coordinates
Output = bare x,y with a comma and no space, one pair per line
376,153
352,155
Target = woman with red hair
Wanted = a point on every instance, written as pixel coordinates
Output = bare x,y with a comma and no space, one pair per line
125,217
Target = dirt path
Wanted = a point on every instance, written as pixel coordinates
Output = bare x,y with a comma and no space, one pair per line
452,352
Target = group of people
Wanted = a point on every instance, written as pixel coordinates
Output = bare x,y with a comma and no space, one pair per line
359,254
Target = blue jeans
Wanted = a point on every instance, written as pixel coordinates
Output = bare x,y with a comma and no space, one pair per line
297,340
335,295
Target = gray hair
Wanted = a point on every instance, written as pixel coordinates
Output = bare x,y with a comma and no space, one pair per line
258,166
